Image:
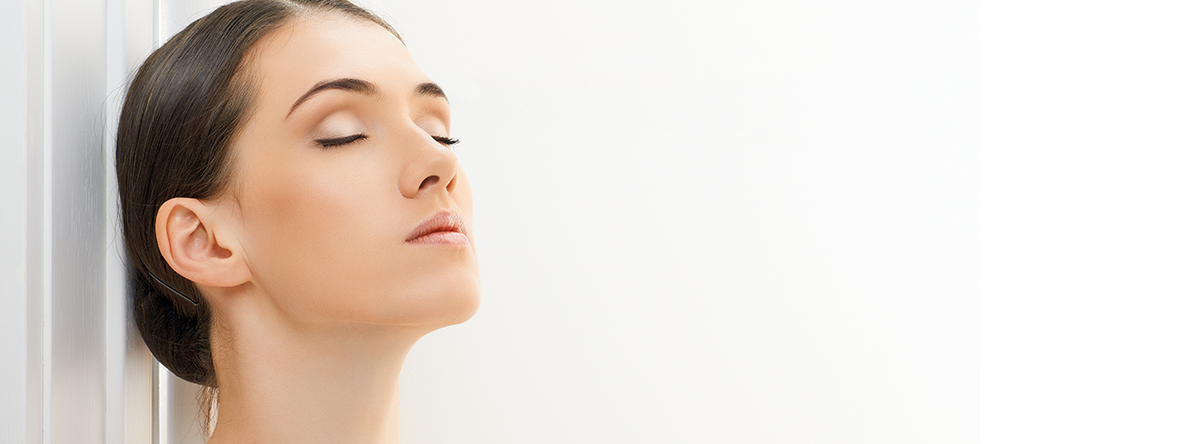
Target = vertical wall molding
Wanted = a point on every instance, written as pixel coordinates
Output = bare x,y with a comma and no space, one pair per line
18,340
78,371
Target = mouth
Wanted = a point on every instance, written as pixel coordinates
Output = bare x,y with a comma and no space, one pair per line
444,228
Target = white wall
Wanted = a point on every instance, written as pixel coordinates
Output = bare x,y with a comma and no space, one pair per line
1082,204
15,309
54,287
74,371
704,222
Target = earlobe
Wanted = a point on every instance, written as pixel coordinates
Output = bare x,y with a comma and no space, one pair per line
199,246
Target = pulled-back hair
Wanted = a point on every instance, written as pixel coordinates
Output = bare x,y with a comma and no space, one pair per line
182,111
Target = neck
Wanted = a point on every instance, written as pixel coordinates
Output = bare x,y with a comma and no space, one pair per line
290,382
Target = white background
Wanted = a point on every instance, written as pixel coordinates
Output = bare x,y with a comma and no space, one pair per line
1081,208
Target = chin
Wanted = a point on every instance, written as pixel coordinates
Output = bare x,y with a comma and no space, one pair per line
459,306
464,313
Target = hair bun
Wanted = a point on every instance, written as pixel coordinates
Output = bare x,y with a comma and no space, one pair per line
178,341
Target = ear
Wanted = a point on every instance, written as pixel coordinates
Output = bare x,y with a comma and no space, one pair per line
199,244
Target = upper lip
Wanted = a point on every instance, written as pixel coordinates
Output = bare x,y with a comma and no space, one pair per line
441,221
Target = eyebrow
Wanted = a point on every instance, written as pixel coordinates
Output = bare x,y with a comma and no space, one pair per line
430,89
363,87
354,85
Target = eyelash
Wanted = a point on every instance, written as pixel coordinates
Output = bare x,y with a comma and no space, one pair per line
339,141
329,143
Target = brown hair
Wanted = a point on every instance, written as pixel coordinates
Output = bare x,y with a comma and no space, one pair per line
181,113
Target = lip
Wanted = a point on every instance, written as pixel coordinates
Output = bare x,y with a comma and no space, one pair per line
445,227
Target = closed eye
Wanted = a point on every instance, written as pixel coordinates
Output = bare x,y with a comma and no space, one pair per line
447,141
338,141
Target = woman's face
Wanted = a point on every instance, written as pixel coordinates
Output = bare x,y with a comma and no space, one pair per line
352,206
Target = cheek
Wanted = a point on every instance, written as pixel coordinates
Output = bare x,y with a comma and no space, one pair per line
314,236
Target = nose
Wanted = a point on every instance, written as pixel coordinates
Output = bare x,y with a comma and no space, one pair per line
431,166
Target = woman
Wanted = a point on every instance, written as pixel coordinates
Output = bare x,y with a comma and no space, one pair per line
295,216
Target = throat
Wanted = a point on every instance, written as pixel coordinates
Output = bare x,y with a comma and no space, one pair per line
309,386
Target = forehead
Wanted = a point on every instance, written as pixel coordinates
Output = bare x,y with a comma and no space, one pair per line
324,46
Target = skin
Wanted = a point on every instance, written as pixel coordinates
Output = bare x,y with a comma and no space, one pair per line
317,295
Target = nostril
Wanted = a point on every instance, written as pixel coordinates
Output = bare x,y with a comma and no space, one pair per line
430,180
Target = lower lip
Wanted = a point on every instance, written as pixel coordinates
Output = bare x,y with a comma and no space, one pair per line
441,238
